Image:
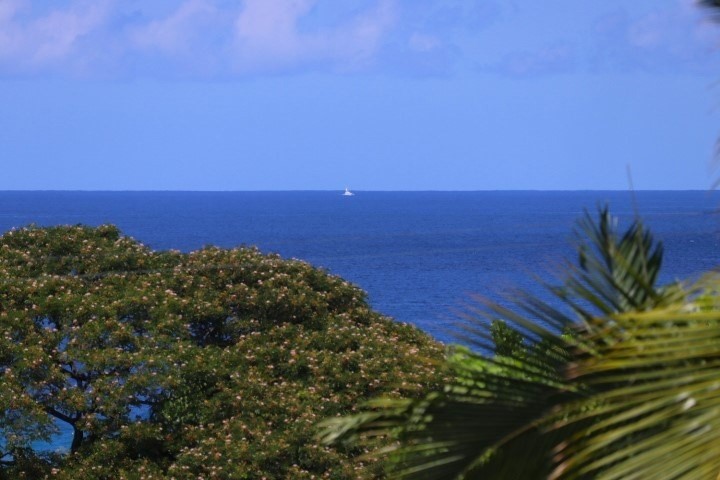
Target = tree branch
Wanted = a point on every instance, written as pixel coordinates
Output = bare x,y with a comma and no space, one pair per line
7,463
62,416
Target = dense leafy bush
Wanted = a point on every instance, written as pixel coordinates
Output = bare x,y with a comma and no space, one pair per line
212,364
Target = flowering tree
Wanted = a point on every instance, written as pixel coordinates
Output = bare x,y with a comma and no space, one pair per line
213,363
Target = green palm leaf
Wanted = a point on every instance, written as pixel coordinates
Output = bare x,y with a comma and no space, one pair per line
656,398
575,392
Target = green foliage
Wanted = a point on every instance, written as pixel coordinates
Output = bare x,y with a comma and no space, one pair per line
621,383
508,341
213,364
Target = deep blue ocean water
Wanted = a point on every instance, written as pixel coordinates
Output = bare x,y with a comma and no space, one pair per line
419,255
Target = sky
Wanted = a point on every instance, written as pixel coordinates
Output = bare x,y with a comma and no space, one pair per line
370,94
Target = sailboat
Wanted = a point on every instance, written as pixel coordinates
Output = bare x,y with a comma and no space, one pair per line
348,193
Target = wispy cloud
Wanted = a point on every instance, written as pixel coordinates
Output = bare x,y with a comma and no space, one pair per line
177,31
268,37
673,36
27,44
221,38
557,58
248,37
678,36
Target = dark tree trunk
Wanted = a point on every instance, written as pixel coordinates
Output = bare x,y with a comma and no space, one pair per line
77,439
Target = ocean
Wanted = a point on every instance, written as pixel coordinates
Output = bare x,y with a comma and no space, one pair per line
420,256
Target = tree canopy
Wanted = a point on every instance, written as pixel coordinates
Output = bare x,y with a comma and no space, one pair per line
212,364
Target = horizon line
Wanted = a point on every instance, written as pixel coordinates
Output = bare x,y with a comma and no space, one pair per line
709,190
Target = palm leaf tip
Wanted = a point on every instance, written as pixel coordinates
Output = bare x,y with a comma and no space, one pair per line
615,272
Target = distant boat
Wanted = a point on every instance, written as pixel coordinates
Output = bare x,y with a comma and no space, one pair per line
348,193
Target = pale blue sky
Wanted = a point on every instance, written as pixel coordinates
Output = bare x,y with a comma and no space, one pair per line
374,94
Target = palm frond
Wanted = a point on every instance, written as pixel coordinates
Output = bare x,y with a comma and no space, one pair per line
614,273
655,407
579,388
488,410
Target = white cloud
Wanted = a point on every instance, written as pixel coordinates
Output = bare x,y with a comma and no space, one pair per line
173,33
267,36
8,9
226,38
48,39
270,26
197,37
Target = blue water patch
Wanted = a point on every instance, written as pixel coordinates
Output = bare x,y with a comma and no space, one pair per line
419,255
